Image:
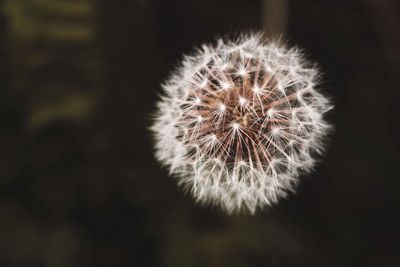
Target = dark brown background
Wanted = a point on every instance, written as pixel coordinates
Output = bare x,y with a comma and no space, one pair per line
78,182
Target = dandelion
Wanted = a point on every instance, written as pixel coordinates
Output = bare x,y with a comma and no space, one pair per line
240,121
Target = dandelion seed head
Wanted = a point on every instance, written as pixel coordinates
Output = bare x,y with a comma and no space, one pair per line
242,71
242,100
257,122
197,101
257,90
225,85
203,83
235,126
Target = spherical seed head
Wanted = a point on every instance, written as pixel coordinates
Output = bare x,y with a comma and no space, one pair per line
240,121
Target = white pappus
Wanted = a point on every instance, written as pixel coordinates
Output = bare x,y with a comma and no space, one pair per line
239,121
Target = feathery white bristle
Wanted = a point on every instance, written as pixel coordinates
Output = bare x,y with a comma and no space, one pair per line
240,121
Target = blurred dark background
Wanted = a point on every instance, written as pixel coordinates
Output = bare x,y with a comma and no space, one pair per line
78,182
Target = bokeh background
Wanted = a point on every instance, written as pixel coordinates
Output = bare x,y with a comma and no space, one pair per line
78,182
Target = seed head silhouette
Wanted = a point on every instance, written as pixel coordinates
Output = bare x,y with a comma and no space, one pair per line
239,121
